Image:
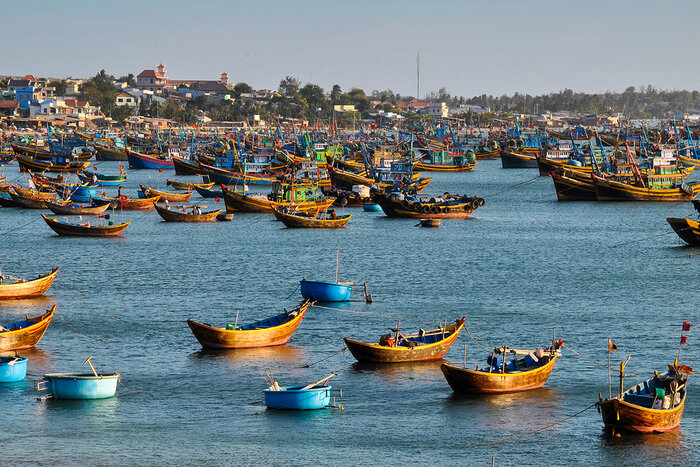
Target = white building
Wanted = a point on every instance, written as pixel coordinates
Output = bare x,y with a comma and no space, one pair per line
438,109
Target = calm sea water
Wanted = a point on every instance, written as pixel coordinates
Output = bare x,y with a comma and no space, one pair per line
525,264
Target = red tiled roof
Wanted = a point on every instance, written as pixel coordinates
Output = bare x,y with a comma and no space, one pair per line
151,74
75,103
8,104
124,94
30,77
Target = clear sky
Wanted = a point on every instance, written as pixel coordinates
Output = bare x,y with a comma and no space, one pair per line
469,47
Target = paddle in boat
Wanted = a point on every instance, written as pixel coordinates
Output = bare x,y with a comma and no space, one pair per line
25,334
79,386
275,330
165,195
529,369
310,397
13,369
193,213
85,229
687,229
12,288
423,345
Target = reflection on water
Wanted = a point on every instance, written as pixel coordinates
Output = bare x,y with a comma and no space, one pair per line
260,355
100,411
670,438
425,369
33,306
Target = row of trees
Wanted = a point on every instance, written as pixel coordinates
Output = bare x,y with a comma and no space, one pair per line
295,99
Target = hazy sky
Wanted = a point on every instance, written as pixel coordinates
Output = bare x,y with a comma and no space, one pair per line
469,47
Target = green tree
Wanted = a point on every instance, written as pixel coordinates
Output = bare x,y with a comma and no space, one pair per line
121,112
241,88
129,79
289,86
336,93
99,90
60,86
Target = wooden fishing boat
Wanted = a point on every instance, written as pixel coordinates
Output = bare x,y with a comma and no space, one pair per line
465,165
13,369
84,229
518,160
241,202
687,229
231,177
27,202
528,371
20,288
68,207
324,291
165,195
611,190
132,204
347,180
318,220
186,167
187,186
573,186
107,153
25,334
34,194
423,345
79,386
212,192
267,332
652,406
6,201
101,179
138,160
171,213
397,204
27,163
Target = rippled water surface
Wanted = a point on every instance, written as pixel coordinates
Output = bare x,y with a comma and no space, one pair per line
524,264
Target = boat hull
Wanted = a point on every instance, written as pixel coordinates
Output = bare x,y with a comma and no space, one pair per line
71,209
325,291
81,386
185,167
293,221
29,336
687,229
169,215
295,398
13,369
166,196
394,207
515,160
144,161
463,380
621,416
424,167
573,189
110,154
608,190
29,289
75,230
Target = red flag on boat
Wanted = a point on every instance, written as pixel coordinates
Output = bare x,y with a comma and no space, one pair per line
686,326
160,170
611,346
684,340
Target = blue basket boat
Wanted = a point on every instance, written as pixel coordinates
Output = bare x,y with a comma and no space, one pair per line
296,398
12,369
326,291
372,207
79,386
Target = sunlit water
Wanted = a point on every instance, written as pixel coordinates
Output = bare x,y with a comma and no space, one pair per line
523,265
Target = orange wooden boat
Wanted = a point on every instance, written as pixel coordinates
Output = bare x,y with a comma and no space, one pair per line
165,195
25,334
171,213
652,406
84,229
528,371
425,345
132,204
26,289
267,332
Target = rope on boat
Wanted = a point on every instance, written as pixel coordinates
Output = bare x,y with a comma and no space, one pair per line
82,333
124,386
522,435
309,365
21,226
295,291
380,315
475,341
646,238
584,357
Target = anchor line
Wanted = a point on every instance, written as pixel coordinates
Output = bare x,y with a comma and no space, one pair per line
82,333
309,365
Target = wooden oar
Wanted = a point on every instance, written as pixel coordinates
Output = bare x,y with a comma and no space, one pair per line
319,382
90,363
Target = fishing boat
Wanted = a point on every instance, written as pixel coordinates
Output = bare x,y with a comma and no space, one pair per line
511,159
13,369
108,153
68,207
187,186
186,167
275,330
231,177
84,229
324,291
652,406
31,202
662,188
139,160
165,195
529,369
27,163
400,204
302,196
101,179
79,386
310,397
193,213
132,204
371,207
20,288
423,345
317,220
573,185
25,334
687,229
211,192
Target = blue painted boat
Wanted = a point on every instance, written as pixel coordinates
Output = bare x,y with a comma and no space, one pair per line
296,398
101,179
145,161
372,207
79,386
326,291
13,369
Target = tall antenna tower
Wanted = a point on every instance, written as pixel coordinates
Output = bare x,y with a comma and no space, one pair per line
418,75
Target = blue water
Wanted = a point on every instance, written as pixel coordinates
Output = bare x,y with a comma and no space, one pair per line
524,264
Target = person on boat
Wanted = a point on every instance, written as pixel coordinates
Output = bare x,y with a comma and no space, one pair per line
333,214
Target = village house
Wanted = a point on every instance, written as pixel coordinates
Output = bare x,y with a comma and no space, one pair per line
125,98
153,80
437,109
